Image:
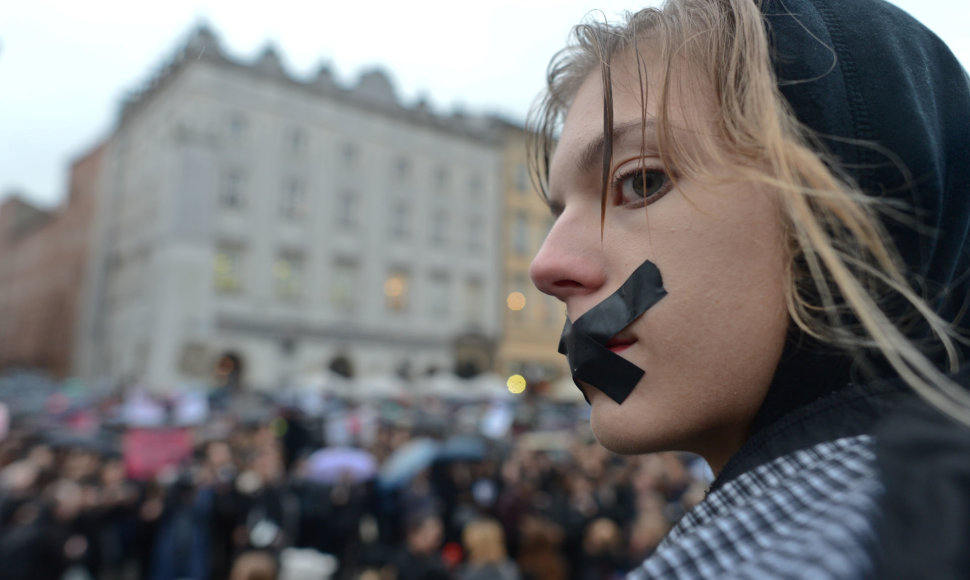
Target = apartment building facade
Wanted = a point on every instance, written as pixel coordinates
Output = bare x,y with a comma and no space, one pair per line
287,225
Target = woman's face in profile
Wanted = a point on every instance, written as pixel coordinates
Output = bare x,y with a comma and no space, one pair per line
710,347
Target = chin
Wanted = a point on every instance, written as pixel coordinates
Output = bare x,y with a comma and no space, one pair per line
620,434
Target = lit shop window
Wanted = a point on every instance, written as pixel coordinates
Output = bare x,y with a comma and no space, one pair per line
288,276
396,291
228,270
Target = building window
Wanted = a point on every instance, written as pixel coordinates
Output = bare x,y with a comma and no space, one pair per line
349,155
472,303
439,294
294,141
288,276
238,125
475,185
396,291
343,287
520,234
232,194
399,219
439,228
228,270
475,233
347,208
293,200
521,178
402,169
441,178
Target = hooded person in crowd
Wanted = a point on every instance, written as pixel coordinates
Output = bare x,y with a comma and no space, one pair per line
762,225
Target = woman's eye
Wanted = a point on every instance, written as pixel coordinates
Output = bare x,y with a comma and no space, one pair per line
642,185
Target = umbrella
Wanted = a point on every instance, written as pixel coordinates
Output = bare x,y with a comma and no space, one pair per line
337,464
488,386
462,448
407,461
379,386
99,443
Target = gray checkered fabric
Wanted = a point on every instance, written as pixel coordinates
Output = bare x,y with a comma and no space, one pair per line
805,515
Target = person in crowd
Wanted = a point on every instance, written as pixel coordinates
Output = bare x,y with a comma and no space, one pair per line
420,558
33,542
269,508
603,556
71,507
540,556
116,518
485,555
762,240
255,565
182,542
218,472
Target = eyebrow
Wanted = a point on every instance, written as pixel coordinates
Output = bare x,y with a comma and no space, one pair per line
593,152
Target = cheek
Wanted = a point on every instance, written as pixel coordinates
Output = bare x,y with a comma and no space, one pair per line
716,338
726,268
728,307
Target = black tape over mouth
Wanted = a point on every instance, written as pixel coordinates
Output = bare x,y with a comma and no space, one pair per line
584,341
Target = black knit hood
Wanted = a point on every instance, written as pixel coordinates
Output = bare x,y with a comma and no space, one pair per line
891,107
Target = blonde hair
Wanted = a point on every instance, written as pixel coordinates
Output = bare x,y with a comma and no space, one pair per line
254,565
844,269
485,542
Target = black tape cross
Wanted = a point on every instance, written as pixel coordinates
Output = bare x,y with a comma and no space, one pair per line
584,342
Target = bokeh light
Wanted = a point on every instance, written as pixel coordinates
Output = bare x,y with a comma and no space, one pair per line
515,301
516,384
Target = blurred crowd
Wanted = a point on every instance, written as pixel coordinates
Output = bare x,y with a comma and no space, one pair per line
378,490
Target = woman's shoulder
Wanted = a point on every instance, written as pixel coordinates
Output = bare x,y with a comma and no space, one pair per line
808,513
923,458
891,504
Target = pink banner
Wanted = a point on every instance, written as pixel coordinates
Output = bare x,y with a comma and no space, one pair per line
148,451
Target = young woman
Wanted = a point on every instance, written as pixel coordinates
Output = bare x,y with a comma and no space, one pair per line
762,239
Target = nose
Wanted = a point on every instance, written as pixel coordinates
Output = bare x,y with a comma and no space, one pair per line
570,261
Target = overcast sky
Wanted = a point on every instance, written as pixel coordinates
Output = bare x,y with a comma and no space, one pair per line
64,66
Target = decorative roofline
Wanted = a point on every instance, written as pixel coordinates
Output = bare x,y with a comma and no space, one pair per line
373,91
